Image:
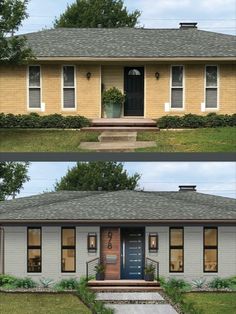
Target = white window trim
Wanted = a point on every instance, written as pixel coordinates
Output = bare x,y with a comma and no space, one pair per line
183,87
28,88
203,105
62,88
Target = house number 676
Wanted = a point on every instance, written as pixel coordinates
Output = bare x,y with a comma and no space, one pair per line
109,244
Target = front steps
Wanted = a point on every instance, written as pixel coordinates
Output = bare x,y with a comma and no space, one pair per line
107,137
124,286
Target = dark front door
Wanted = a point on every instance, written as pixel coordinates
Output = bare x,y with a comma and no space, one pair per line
134,90
132,253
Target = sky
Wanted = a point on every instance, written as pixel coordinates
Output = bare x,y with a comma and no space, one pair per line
217,178
211,15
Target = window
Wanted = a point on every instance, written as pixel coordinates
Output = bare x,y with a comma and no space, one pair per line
211,87
134,72
68,87
176,250
34,87
177,87
210,254
68,250
34,250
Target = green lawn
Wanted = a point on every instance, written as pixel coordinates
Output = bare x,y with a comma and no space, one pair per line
43,140
214,302
41,304
197,140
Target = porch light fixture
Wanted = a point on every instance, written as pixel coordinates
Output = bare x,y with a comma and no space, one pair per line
92,242
88,75
153,242
157,75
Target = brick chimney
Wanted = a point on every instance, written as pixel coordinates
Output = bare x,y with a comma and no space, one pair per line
187,25
187,188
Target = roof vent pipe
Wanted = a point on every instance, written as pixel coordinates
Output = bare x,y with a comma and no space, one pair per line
187,188
187,25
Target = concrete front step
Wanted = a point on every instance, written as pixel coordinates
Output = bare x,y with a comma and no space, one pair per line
125,289
123,282
124,122
120,129
117,137
122,146
130,297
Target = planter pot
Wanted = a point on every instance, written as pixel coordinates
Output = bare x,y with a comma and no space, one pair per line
113,110
149,277
100,276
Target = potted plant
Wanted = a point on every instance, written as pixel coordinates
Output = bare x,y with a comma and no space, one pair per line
149,272
100,271
113,100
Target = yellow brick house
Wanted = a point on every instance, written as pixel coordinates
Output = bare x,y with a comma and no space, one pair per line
161,71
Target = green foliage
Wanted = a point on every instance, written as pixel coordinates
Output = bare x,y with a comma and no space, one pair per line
67,284
179,284
220,283
162,280
13,50
100,268
212,120
89,298
92,13
34,120
149,269
11,282
46,282
92,176
113,96
199,283
12,175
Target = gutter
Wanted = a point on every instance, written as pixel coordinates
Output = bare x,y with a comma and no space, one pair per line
2,240
131,59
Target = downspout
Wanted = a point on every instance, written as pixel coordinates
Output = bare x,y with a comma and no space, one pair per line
1,250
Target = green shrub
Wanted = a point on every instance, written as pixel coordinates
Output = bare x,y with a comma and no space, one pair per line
7,280
199,283
34,120
220,283
25,283
67,284
179,284
211,120
113,96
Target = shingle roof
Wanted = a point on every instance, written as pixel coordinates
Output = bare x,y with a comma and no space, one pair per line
119,205
131,42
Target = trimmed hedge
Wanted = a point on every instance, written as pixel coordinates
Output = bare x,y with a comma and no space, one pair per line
212,120
34,120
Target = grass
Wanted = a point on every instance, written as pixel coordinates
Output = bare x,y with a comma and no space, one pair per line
41,303
196,140
214,302
44,140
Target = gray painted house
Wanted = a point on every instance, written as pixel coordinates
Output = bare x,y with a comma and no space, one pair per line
189,234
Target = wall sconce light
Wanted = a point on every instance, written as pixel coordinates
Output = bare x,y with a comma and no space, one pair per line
88,75
92,242
157,75
153,242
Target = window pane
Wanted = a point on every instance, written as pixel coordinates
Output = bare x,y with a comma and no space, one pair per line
68,260
177,76
211,98
68,237
34,76
211,76
134,72
210,237
69,98
68,74
176,260
177,98
210,260
34,237
34,260
34,98
176,237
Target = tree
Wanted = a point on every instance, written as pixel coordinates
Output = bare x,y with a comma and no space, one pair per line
97,13
13,49
93,176
12,177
